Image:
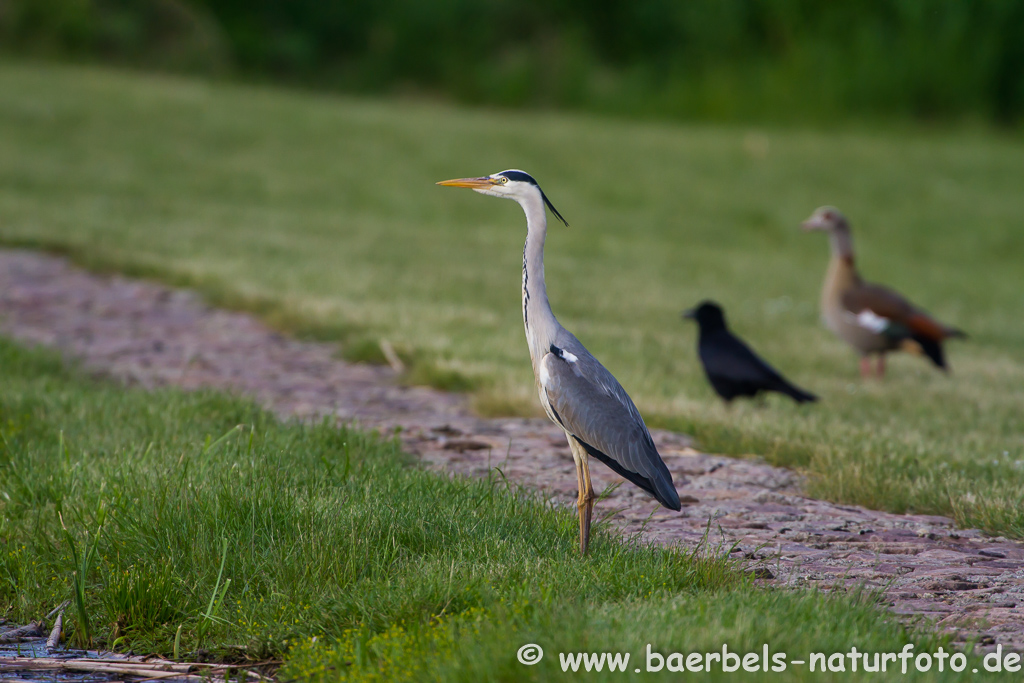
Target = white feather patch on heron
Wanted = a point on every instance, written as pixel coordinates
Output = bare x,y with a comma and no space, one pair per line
542,371
570,357
870,320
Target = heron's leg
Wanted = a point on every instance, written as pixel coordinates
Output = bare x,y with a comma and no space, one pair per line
881,365
588,498
584,502
865,366
580,486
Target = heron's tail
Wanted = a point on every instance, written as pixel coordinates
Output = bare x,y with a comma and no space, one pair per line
659,485
666,492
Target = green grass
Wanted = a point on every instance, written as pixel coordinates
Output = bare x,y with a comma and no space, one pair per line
329,550
320,213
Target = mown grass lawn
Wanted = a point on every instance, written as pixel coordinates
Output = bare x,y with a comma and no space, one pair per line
340,557
320,212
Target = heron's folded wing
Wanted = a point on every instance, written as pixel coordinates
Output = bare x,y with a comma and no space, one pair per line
592,406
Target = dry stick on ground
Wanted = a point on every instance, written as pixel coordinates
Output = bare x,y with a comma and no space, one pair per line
153,669
392,357
16,635
113,668
54,640
58,609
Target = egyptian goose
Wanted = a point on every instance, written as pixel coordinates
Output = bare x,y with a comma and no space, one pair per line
871,318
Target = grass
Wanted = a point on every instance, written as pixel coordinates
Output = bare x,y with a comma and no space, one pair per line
216,531
320,213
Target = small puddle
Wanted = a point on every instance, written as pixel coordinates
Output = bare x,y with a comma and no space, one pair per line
31,661
36,648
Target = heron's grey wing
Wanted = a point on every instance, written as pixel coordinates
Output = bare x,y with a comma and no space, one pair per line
592,406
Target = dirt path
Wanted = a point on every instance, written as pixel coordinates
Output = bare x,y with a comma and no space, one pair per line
150,335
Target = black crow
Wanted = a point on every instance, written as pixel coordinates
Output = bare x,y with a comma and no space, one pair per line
732,368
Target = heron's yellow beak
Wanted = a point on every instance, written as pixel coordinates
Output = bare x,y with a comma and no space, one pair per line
474,183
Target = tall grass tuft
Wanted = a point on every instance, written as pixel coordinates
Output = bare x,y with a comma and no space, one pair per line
213,608
81,563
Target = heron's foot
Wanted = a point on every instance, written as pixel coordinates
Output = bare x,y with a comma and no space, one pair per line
865,367
586,508
584,526
585,499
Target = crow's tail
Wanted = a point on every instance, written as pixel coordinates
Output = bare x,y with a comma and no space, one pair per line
797,394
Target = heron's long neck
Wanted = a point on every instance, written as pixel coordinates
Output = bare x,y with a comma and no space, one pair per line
541,325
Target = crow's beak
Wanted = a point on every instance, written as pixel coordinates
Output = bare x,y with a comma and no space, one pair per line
689,314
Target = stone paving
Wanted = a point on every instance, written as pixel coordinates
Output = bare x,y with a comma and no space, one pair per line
145,334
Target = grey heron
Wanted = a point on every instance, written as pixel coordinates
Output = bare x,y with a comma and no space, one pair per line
577,392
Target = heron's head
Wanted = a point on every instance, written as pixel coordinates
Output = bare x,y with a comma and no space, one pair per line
827,218
511,184
708,315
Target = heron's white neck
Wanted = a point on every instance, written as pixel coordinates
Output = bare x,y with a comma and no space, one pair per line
541,325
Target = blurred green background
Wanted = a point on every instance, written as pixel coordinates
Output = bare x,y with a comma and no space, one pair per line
319,211
770,60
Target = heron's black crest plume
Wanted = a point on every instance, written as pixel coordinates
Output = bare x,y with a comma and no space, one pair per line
525,177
